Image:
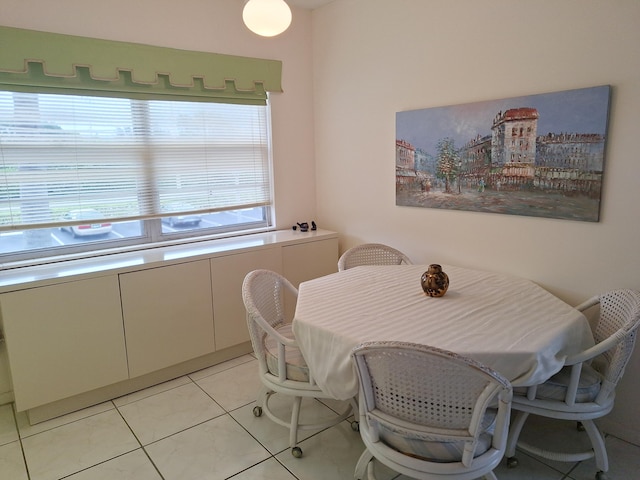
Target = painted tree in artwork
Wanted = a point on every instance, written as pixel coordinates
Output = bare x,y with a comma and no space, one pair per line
448,159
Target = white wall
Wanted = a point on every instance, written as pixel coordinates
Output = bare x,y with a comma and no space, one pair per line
373,58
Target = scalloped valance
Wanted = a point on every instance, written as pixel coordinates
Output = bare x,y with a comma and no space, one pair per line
46,62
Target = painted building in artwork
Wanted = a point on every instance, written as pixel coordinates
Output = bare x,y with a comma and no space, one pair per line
424,162
476,159
570,162
405,165
582,151
405,155
513,136
509,160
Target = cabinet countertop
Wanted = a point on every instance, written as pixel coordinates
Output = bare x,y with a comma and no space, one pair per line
68,270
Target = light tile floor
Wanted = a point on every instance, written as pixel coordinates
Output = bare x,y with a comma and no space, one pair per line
201,427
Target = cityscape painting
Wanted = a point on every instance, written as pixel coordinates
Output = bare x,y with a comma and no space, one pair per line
538,155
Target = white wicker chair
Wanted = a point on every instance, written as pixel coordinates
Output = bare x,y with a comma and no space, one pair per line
429,413
584,389
282,368
371,254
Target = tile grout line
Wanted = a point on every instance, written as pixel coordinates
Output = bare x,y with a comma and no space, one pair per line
69,423
24,456
271,455
144,450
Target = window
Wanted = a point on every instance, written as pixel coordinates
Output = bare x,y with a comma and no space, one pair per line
87,173
109,144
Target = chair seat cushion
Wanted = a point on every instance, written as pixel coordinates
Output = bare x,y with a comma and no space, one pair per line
437,450
556,387
296,366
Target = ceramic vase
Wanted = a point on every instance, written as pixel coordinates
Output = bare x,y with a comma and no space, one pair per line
434,281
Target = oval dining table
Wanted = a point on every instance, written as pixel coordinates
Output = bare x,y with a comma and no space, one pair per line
508,323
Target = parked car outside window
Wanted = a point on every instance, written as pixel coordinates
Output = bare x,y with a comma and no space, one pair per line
94,227
181,219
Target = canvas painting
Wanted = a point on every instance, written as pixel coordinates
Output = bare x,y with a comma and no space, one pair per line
538,155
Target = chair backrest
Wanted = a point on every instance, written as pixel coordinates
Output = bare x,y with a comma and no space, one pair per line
263,295
427,393
619,318
371,254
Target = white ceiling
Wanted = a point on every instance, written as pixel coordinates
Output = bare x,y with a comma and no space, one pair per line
309,4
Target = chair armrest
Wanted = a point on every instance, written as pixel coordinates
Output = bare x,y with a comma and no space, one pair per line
288,342
290,288
272,332
588,303
597,349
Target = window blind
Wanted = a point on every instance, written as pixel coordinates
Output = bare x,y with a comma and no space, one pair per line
127,158
128,130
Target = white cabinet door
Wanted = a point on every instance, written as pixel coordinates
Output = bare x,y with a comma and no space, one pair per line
63,340
168,315
305,261
227,274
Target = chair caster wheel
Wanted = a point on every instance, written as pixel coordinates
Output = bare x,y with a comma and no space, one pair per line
296,452
257,411
601,476
355,426
512,462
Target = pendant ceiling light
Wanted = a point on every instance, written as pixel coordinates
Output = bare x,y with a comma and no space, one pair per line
267,17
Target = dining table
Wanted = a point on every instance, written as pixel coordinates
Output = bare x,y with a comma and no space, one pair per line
508,323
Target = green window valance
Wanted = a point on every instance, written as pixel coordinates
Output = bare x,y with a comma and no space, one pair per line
47,62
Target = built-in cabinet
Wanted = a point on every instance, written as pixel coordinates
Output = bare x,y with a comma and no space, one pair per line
300,263
168,315
227,275
64,339
101,333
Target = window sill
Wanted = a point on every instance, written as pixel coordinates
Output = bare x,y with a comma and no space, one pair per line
65,271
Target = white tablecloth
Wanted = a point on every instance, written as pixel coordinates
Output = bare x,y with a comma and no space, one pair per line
508,323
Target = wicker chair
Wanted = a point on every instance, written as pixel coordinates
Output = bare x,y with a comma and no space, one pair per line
584,389
371,254
282,368
429,413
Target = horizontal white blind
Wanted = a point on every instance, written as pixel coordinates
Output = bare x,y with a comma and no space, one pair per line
127,159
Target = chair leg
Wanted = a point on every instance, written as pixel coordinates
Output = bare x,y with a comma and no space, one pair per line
262,396
597,442
597,449
512,439
293,431
370,473
261,400
361,466
355,424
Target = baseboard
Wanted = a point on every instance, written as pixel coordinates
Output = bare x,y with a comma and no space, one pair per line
94,397
6,397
